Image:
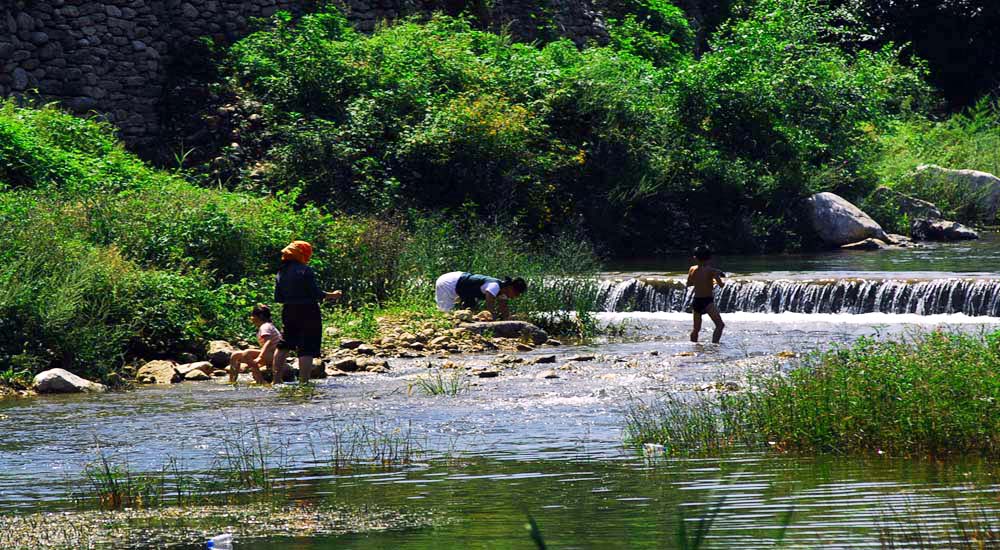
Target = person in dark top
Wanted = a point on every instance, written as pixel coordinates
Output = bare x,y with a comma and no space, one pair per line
469,288
301,318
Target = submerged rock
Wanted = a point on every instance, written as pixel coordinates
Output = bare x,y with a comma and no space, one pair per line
510,329
941,230
158,372
867,244
63,381
547,374
838,222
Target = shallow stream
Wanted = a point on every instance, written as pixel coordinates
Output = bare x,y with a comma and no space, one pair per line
518,445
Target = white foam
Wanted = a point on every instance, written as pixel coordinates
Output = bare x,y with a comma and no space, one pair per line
808,318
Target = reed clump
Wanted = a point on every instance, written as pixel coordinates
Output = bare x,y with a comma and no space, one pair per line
936,394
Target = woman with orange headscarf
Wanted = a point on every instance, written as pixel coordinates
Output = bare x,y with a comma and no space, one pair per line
301,318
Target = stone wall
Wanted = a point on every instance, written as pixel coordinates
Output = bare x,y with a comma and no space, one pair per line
111,56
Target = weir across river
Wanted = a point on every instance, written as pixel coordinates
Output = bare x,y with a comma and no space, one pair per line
974,297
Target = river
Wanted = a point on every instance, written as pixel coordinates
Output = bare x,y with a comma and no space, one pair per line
519,445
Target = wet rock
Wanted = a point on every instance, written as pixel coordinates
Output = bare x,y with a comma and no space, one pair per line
159,372
375,365
349,364
487,373
186,358
867,244
524,347
941,230
511,329
653,353
365,349
351,344
899,240
507,360
547,374
543,359
63,381
838,222
579,358
219,353
203,366
552,342
197,375
219,373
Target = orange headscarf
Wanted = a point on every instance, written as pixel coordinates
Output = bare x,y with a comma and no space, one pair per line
298,251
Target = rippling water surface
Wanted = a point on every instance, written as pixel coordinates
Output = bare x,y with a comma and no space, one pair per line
514,446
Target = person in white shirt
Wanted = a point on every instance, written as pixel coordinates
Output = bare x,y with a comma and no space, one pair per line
468,288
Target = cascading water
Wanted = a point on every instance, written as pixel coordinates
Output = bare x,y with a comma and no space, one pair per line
973,297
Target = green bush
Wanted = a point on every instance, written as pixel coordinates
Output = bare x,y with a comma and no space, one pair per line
437,115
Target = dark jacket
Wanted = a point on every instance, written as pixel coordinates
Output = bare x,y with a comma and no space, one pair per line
469,288
296,284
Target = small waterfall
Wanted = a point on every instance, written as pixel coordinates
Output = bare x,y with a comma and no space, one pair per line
973,297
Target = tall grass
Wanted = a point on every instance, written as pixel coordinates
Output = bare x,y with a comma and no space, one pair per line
966,140
935,395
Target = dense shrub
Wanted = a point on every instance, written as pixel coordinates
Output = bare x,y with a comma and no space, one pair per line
438,115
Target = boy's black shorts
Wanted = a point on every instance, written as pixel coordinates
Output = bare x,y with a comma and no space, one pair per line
302,329
699,305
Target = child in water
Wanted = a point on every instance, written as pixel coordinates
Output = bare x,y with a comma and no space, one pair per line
703,277
268,338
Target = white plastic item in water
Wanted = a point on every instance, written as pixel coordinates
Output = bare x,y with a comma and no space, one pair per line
221,542
653,449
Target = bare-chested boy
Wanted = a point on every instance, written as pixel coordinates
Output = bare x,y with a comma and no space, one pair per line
703,278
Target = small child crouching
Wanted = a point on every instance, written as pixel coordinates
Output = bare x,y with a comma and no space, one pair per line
268,338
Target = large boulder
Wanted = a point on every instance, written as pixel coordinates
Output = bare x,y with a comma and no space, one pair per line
838,222
905,204
219,353
941,230
158,372
63,381
510,329
982,187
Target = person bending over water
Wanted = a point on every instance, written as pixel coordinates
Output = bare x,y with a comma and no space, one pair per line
255,358
301,318
468,288
703,277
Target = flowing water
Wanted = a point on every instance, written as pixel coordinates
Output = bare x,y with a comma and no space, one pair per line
520,445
